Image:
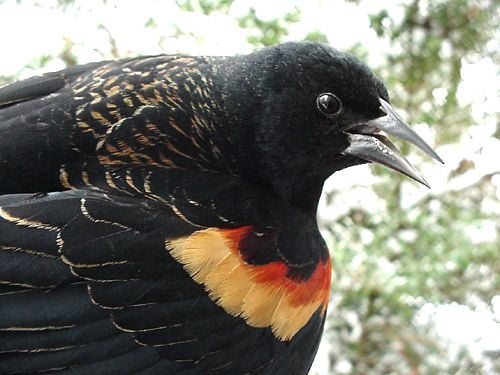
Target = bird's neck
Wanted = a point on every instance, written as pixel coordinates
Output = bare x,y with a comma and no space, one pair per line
305,195
238,84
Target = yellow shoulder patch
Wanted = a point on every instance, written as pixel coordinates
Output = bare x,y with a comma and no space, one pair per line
262,295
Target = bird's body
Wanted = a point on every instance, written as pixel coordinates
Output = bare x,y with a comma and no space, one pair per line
158,213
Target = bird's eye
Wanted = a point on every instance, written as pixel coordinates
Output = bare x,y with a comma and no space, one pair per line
328,104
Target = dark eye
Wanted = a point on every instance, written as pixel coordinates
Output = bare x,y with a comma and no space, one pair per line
328,104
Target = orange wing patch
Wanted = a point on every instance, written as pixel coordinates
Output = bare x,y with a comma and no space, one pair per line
263,295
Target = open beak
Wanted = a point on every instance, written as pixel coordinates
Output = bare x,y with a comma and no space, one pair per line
368,144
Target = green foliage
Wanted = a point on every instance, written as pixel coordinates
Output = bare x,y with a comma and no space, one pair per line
432,41
263,32
205,6
316,36
63,4
151,23
40,62
267,33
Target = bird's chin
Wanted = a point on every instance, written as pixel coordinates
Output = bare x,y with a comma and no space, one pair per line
343,161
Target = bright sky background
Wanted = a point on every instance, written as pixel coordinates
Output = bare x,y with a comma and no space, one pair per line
27,32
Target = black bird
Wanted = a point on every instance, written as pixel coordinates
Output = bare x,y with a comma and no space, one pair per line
158,214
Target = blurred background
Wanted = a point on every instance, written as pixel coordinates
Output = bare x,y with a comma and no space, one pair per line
416,282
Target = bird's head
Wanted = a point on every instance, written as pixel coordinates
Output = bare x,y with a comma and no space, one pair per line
310,110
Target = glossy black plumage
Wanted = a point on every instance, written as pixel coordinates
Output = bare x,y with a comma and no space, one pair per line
115,293
158,213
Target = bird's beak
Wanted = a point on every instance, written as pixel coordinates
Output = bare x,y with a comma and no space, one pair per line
367,143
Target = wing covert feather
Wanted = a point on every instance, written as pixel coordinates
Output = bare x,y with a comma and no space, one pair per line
96,291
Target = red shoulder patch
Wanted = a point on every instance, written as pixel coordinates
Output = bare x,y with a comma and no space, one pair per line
263,295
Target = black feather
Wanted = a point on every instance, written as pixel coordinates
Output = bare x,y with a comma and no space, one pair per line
123,157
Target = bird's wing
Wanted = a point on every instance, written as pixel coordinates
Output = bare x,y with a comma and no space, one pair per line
97,283
40,86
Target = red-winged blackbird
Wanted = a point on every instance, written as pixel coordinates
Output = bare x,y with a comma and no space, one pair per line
158,213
